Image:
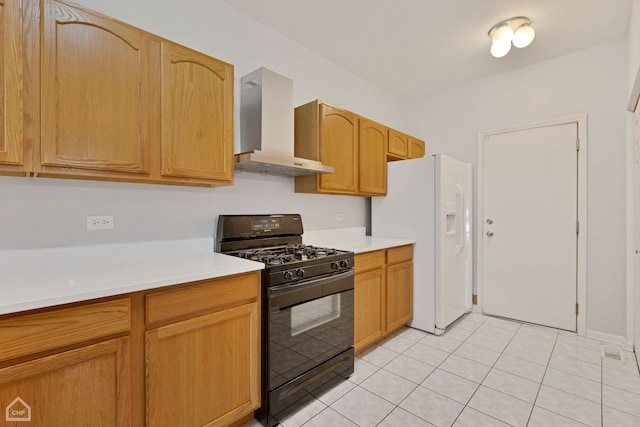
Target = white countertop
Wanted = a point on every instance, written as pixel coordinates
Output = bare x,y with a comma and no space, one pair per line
37,278
352,239
44,277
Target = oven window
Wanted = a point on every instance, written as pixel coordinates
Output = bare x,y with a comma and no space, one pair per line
314,314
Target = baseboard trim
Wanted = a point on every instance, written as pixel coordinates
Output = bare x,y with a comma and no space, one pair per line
610,338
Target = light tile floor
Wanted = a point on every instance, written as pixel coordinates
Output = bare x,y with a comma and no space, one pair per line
483,371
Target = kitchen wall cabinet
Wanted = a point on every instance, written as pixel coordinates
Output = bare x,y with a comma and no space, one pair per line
356,147
67,366
416,148
107,101
197,115
183,355
330,135
398,146
204,369
372,168
383,294
12,148
97,90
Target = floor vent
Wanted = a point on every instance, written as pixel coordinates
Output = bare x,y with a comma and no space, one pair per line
614,353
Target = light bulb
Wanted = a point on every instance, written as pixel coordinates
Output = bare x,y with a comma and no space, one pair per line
523,36
500,48
503,34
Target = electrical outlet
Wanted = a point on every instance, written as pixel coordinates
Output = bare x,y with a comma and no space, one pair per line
101,222
339,217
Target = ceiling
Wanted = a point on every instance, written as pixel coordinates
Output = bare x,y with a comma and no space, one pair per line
412,47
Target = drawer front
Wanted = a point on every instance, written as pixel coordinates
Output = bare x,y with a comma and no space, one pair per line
399,254
369,261
202,297
47,330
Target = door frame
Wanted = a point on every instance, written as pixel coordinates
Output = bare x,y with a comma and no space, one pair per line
633,311
581,271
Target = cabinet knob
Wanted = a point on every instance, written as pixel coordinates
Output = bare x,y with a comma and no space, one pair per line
490,233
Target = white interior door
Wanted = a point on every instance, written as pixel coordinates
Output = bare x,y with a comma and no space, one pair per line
529,239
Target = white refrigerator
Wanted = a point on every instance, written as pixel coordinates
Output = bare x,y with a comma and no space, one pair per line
429,200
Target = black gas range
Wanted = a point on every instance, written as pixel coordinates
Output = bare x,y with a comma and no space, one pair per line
307,308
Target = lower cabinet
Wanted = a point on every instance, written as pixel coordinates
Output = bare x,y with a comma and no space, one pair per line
203,352
383,294
86,386
399,293
186,355
64,367
202,371
369,308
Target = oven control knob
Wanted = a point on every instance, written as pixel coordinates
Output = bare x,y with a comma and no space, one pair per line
288,275
300,273
334,266
344,263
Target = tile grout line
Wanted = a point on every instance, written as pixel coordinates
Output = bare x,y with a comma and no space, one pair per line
491,368
542,380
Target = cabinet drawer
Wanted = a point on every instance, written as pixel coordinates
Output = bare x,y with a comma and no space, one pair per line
369,261
399,254
33,333
202,297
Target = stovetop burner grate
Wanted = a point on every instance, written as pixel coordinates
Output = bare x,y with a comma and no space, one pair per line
286,254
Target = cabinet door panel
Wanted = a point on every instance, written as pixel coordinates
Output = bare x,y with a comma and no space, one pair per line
416,148
95,108
339,148
11,77
373,163
398,145
204,371
197,115
88,386
399,293
368,305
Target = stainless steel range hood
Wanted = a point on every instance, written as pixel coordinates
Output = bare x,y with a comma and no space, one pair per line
266,128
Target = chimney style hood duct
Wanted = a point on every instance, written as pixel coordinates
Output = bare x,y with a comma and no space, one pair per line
266,128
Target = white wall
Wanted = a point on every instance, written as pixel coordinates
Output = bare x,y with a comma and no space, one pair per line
51,212
592,81
633,37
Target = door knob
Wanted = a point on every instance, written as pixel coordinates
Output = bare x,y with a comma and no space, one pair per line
638,251
490,233
489,221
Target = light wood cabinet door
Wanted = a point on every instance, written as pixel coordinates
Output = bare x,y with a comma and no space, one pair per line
197,115
88,386
369,308
96,92
205,370
372,169
416,148
339,148
398,146
11,77
399,295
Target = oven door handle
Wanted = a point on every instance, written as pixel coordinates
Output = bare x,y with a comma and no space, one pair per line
289,294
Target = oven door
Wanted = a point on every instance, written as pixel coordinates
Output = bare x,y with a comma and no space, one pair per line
309,323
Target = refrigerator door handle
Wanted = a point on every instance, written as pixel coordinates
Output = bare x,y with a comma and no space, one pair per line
460,219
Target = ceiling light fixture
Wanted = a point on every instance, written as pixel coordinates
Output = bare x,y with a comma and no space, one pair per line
517,31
